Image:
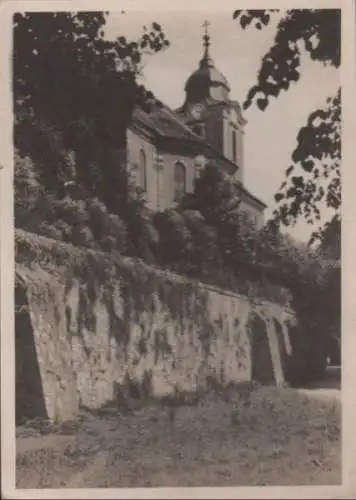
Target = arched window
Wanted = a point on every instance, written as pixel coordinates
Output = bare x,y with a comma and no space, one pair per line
234,146
179,181
142,170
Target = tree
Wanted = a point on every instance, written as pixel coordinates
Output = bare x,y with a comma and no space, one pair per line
204,252
30,197
316,159
223,235
318,156
74,93
217,187
315,285
330,245
175,240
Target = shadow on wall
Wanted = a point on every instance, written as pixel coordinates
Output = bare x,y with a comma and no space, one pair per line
29,393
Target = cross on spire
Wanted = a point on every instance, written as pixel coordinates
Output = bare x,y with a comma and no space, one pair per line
206,40
206,36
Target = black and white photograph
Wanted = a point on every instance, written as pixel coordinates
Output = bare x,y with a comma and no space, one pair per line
177,286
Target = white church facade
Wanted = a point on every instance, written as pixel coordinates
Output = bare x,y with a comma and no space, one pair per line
168,148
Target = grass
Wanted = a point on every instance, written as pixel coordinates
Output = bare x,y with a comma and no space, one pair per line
266,436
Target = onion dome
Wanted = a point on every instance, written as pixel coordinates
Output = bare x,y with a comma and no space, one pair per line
207,81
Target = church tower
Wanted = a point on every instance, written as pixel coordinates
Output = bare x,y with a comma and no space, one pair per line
210,112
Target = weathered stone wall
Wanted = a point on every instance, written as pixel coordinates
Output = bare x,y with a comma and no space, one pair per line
139,324
52,343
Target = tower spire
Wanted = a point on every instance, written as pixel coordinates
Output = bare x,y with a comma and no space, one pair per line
206,44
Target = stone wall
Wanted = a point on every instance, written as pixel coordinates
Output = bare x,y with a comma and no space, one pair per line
94,333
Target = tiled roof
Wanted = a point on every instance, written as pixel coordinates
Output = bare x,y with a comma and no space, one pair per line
166,123
251,196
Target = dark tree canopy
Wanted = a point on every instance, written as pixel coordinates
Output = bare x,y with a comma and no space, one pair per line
74,93
314,178
317,175
316,31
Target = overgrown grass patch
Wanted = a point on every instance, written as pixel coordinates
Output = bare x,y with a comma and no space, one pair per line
245,436
290,411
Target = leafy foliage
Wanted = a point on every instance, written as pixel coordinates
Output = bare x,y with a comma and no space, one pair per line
204,258
330,245
217,187
315,30
83,222
318,155
74,93
174,238
316,178
223,220
215,242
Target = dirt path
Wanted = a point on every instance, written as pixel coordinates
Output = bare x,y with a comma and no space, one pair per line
327,388
331,394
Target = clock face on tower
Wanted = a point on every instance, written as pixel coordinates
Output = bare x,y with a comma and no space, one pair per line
197,111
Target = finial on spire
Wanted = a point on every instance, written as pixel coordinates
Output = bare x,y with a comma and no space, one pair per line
206,39
206,24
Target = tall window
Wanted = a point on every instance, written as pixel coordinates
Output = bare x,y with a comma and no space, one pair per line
199,129
142,170
179,181
234,146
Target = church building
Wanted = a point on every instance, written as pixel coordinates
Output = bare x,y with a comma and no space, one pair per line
168,148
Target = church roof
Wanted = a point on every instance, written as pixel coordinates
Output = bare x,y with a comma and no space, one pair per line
165,122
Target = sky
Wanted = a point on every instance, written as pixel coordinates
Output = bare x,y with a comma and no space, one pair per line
270,136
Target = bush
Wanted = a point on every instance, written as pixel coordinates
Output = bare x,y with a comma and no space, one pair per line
175,239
